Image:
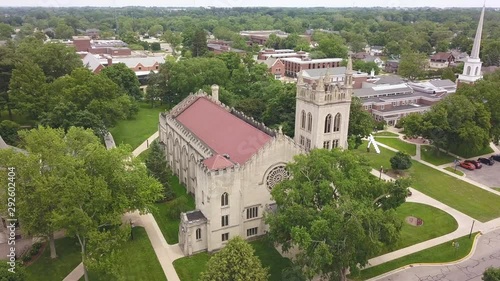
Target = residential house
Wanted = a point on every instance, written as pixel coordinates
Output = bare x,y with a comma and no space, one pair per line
376,50
276,67
391,66
441,60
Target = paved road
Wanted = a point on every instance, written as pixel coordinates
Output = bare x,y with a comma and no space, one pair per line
487,254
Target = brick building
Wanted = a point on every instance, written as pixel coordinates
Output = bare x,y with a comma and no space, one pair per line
295,65
108,47
281,53
276,67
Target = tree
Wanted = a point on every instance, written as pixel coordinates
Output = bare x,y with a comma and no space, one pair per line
332,47
280,109
5,31
334,212
401,161
125,78
491,274
7,64
86,100
360,123
64,31
366,66
199,47
412,65
155,46
490,52
28,90
412,124
156,163
173,38
8,132
448,74
155,30
236,261
76,184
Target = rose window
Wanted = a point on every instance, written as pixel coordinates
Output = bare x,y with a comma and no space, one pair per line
277,175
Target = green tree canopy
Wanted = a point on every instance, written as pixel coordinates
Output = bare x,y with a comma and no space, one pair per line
401,161
156,163
491,274
76,184
125,78
236,261
360,123
335,212
412,65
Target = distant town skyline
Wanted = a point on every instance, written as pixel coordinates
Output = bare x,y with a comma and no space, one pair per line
253,3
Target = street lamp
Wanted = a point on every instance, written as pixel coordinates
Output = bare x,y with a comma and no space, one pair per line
381,169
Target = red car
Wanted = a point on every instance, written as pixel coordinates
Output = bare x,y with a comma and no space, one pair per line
467,165
476,164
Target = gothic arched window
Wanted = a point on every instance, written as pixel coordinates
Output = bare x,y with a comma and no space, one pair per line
198,233
276,175
224,199
468,70
477,70
336,123
303,120
328,123
309,121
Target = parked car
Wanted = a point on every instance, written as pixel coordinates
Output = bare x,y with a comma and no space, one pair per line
476,164
487,161
468,166
496,157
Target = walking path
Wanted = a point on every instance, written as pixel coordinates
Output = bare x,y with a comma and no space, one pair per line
145,145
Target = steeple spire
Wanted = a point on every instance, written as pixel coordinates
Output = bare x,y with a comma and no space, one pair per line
477,39
349,65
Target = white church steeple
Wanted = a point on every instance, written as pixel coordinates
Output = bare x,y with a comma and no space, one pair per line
472,67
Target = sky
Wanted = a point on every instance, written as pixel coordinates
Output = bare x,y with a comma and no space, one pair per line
253,3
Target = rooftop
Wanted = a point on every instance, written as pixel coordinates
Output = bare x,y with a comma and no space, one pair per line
195,215
227,135
318,72
382,90
301,61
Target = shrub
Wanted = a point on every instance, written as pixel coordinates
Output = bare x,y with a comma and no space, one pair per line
178,206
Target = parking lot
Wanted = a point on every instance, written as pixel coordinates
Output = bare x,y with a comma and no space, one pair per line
487,175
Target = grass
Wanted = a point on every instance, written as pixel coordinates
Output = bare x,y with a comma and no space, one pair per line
385,134
137,259
453,170
460,195
436,223
170,227
429,154
137,130
45,268
441,253
462,152
190,268
400,145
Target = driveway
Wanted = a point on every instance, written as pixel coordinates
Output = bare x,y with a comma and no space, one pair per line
487,175
487,254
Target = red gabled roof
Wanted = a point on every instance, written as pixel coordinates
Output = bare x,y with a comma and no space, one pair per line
223,132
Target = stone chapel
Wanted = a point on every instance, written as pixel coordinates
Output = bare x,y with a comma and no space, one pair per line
230,162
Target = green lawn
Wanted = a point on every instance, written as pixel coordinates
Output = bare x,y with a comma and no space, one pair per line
138,260
386,134
136,131
462,152
400,145
441,253
170,227
436,223
429,154
466,198
45,268
190,268
455,171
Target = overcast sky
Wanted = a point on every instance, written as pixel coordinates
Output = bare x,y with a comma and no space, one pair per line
253,3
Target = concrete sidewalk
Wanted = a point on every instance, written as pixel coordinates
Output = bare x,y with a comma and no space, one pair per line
145,144
76,274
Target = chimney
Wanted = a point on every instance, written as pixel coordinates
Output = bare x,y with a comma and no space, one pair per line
110,61
215,92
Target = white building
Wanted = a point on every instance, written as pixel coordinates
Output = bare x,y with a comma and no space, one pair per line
230,162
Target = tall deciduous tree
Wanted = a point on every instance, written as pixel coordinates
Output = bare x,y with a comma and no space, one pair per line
199,47
5,31
156,162
28,89
72,182
360,123
412,65
335,212
125,78
236,261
